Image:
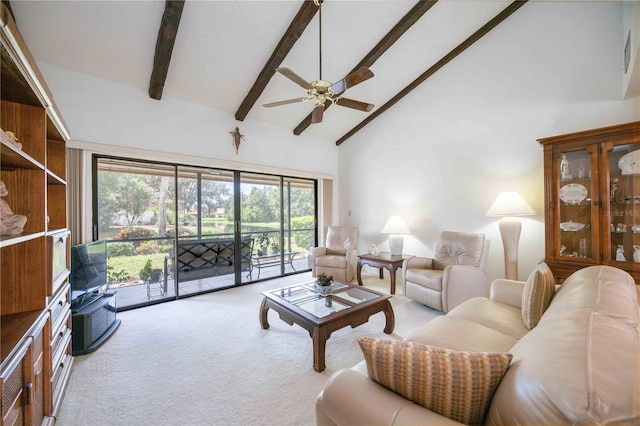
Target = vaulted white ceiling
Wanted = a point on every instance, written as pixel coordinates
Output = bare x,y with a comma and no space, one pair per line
222,46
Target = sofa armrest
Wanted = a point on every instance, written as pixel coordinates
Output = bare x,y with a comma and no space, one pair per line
507,291
461,283
315,252
417,262
352,398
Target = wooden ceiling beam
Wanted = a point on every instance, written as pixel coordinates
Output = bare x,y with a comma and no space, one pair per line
434,68
164,46
383,45
8,4
307,11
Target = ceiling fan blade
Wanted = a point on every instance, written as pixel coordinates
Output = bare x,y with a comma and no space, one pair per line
288,101
316,116
351,103
287,72
352,79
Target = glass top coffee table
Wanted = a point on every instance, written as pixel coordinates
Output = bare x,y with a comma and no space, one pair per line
322,315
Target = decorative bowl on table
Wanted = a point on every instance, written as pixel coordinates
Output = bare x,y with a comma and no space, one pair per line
572,226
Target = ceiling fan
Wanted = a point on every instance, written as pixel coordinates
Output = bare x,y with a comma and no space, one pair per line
320,91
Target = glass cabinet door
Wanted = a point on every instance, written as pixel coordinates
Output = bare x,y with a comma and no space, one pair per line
622,211
577,204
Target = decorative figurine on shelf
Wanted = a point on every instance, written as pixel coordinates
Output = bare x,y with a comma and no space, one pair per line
620,254
12,139
564,168
581,173
562,250
636,253
613,190
10,224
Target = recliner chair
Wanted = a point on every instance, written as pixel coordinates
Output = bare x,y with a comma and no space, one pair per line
339,256
457,272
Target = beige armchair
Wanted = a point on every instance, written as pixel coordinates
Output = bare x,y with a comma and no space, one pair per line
456,273
339,256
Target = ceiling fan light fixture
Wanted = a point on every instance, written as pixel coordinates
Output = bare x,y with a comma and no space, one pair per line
321,90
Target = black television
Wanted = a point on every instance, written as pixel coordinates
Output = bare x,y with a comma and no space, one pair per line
88,277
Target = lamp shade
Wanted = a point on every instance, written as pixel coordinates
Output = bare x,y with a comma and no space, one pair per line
395,225
510,204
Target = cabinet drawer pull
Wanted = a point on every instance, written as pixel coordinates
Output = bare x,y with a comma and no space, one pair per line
62,365
61,303
27,394
61,334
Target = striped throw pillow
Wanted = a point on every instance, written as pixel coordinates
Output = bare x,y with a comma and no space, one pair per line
537,294
454,384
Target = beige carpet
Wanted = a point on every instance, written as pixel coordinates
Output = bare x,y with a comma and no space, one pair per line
206,361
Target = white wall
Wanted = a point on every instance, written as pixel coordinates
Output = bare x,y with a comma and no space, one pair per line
631,29
441,155
99,111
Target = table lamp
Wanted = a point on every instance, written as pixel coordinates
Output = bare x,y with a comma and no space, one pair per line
395,226
510,204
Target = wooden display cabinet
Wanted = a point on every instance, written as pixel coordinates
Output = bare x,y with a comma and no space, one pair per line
35,357
592,199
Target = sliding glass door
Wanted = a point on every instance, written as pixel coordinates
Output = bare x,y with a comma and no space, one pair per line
279,214
134,210
175,230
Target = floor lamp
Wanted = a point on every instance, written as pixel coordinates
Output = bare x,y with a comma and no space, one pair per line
508,205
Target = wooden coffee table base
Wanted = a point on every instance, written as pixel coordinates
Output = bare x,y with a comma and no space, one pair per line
320,331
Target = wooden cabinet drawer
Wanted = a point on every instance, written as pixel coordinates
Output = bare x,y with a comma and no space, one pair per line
58,337
61,372
60,305
14,382
59,351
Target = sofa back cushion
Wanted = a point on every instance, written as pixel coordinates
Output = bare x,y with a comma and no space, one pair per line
458,248
537,295
580,363
457,385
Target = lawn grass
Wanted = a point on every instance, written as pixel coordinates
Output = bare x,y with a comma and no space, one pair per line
133,264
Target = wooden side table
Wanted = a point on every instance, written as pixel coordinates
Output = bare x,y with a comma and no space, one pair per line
383,260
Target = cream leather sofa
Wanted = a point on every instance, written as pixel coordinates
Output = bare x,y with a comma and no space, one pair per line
579,365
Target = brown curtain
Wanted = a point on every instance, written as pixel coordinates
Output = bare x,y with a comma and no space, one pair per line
75,194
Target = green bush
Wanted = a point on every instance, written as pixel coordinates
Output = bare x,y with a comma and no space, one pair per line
150,247
182,232
120,249
189,220
133,233
114,277
145,271
303,239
